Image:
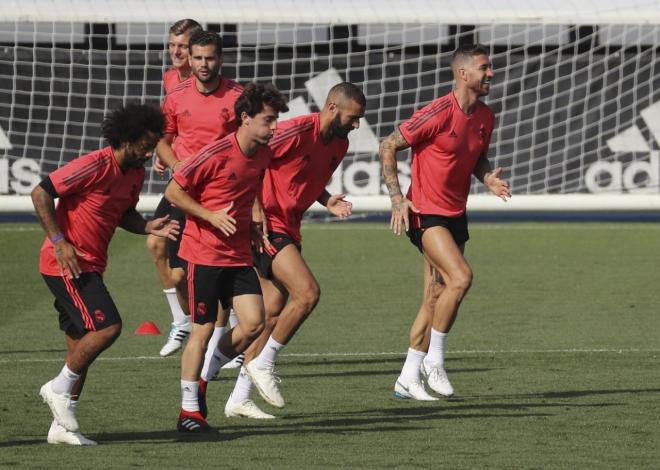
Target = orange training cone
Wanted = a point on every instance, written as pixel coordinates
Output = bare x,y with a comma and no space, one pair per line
147,328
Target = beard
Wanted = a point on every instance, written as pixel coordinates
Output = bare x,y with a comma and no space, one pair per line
339,130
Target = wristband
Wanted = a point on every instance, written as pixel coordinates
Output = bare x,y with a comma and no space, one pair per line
57,238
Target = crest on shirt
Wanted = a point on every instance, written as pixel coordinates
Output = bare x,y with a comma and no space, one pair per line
225,114
482,132
185,113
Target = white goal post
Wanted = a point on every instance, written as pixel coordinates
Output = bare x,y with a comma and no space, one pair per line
576,89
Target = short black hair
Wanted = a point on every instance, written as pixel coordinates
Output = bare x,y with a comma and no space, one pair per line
255,96
350,91
130,122
467,51
206,38
184,26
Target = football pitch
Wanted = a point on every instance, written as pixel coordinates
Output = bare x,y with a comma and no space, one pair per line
555,358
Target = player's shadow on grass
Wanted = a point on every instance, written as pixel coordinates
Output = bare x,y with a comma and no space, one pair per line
371,372
27,351
575,393
353,360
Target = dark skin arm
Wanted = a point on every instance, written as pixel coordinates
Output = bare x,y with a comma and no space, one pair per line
132,221
65,253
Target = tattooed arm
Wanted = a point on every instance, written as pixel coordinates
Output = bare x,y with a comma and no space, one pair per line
400,205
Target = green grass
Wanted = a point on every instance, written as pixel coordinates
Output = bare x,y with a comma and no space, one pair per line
554,357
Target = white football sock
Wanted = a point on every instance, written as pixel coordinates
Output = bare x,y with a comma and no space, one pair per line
189,391
64,382
215,364
267,357
243,387
210,348
436,355
178,316
233,318
410,369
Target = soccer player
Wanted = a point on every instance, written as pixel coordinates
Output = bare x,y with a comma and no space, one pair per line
217,190
197,112
449,139
97,193
178,47
181,70
307,150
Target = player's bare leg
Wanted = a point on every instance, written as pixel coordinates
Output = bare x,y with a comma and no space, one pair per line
409,383
192,358
446,257
239,403
291,271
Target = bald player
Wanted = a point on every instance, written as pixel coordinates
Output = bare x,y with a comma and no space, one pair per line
307,151
449,139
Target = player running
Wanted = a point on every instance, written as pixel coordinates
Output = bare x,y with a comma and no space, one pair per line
449,139
217,189
97,193
307,150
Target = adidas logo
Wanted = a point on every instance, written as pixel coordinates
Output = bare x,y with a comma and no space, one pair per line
605,176
232,177
452,134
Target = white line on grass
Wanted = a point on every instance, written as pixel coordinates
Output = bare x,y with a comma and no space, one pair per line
373,354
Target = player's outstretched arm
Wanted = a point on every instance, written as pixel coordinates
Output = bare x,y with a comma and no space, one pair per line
491,178
132,221
400,204
65,253
336,204
219,219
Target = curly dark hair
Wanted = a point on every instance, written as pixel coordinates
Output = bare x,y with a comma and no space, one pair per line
130,122
255,96
206,38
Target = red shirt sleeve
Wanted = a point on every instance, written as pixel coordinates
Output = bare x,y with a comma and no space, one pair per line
282,146
170,116
425,124
78,175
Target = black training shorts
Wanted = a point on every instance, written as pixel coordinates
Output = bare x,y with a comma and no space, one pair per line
264,261
84,304
209,284
419,223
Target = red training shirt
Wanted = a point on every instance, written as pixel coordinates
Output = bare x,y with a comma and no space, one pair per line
446,145
94,194
218,175
197,119
297,176
171,79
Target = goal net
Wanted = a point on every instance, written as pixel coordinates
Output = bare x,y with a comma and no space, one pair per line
576,89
